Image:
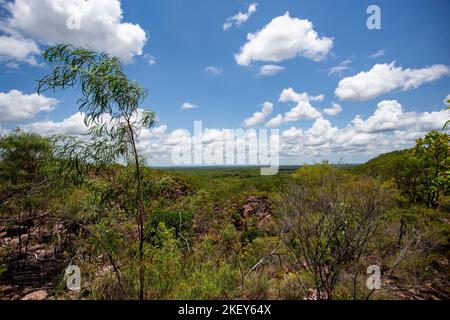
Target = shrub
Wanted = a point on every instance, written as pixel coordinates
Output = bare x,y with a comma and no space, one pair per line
179,221
328,220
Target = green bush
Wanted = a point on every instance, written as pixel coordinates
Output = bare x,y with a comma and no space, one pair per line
179,221
251,234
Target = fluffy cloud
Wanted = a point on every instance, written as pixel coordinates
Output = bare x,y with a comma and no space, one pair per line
73,125
284,38
214,70
321,132
153,143
333,110
275,122
388,128
384,78
270,70
293,132
188,106
260,116
241,17
289,95
19,49
303,109
178,137
95,23
16,106
389,116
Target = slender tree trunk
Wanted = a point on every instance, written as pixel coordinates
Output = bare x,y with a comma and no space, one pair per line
140,213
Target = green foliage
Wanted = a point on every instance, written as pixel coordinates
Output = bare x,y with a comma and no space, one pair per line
329,223
317,174
26,173
386,166
105,87
110,103
422,173
212,281
432,154
179,221
329,218
24,159
163,263
251,234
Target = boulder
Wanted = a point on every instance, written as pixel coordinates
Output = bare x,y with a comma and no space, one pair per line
258,208
36,295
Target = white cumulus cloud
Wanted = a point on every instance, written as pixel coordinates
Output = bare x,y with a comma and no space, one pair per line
389,128
389,116
97,24
241,17
284,38
260,116
384,78
333,110
275,122
16,106
73,125
303,109
18,49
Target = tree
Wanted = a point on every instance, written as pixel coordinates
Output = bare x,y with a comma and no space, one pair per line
110,103
432,153
328,220
24,176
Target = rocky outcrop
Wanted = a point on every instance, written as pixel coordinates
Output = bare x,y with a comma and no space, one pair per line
257,209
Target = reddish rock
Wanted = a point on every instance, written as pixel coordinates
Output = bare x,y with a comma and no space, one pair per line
258,207
37,295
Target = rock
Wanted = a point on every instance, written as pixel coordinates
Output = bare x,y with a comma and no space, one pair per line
37,295
258,207
313,294
5,290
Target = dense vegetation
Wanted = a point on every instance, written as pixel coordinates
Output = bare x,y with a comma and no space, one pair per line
205,233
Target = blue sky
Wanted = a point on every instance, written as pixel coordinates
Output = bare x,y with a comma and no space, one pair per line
184,37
